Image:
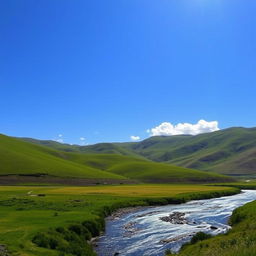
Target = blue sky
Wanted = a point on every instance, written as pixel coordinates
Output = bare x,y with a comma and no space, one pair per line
106,70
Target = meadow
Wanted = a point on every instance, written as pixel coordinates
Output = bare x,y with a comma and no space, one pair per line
57,220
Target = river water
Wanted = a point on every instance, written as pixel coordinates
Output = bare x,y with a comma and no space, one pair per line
142,232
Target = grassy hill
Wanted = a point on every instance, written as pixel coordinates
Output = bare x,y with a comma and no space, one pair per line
230,151
18,157
141,170
100,148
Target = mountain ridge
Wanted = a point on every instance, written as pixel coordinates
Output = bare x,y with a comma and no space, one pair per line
229,151
21,158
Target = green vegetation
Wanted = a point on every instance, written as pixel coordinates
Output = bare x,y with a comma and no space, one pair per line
18,157
239,241
100,148
57,221
231,151
161,173
241,184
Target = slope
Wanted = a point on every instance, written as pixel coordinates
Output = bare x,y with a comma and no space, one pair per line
19,157
144,170
230,151
100,148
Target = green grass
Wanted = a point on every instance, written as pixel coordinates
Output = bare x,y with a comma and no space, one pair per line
239,241
231,151
239,184
20,157
158,172
141,170
64,217
100,148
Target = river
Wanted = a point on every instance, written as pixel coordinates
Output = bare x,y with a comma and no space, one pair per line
150,231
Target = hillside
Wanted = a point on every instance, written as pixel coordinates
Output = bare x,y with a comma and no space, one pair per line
24,158
145,171
231,151
100,148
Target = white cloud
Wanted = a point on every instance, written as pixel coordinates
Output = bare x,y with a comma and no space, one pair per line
168,129
82,141
135,138
59,138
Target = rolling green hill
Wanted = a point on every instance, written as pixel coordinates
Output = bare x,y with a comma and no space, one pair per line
100,148
141,170
18,157
231,151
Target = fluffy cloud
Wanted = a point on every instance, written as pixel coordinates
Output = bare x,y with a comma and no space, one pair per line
135,138
82,141
59,138
168,129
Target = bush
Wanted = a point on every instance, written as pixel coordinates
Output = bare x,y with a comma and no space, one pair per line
200,236
71,240
41,240
81,231
236,217
93,227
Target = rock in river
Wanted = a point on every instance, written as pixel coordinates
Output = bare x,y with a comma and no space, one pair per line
175,218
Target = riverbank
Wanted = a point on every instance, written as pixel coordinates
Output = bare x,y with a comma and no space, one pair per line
153,230
54,221
239,241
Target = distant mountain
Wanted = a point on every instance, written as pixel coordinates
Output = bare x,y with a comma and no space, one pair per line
21,158
231,151
100,148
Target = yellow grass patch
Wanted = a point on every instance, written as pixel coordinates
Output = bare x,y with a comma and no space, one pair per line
129,190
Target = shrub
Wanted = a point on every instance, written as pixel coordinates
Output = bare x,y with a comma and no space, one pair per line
93,227
81,231
41,240
70,241
200,236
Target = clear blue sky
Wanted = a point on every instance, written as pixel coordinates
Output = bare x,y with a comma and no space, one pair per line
106,70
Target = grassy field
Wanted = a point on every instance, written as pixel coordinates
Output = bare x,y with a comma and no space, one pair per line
18,157
239,241
60,219
240,184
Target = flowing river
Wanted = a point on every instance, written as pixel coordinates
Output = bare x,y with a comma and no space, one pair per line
152,230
